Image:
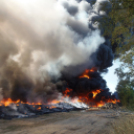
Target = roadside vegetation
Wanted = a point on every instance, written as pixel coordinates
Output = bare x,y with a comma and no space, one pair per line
122,16
124,125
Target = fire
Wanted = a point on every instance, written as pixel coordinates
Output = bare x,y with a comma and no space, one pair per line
7,102
85,74
91,101
100,104
95,93
52,107
114,101
67,91
39,108
90,98
55,101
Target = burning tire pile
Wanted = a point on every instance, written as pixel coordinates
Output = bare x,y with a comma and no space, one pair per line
20,110
52,53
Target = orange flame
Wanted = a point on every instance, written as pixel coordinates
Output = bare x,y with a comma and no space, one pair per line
95,93
92,101
82,97
52,107
39,108
85,74
55,101
9,101
66,92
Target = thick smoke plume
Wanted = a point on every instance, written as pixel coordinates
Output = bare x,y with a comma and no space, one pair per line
42,40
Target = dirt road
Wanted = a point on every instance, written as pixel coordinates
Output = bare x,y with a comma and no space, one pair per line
75,122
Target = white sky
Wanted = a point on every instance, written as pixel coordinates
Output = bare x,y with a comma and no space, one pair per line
112,78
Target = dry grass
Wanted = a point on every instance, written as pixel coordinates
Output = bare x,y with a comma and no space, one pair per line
124,125
75,122
24,123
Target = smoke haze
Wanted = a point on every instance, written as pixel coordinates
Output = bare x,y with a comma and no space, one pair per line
41,40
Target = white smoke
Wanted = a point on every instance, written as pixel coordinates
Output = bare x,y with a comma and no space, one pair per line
44,36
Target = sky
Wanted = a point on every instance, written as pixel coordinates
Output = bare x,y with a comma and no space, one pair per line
111,77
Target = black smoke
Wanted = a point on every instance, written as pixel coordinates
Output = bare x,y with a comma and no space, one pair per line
103,59
44,53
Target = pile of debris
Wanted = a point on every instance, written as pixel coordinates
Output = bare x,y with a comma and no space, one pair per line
25,110
111,106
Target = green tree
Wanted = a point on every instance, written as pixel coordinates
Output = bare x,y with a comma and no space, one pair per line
123,18
122,15
125,90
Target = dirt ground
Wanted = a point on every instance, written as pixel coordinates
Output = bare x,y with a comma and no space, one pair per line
75,122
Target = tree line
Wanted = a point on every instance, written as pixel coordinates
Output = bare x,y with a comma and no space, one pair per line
122,16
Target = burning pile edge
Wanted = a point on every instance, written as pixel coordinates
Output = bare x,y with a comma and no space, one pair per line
26,110
91,98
